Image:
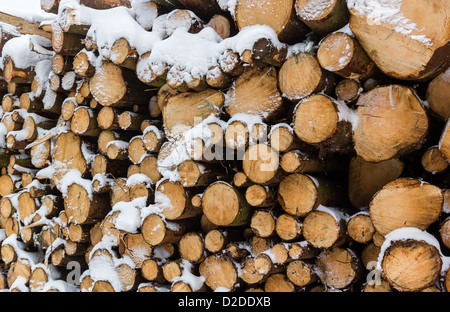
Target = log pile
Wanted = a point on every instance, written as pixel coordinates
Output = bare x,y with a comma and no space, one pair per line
207,145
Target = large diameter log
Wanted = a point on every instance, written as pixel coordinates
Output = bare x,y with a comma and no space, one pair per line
223,205
255,92
410,263
366,178
391,122
323,17
278,15
82,207
405,202
411,30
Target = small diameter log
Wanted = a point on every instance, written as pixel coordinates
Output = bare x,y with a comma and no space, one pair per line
255,92
410,264
222,25
65,43
182,111
9,102
296,161
280,16
230,63
84,122
260,196
41,154
131,121
31,104
278,283
342,55
348,90
444,232
61,63
156,231
425,47
262,223
323,18
237,135
299,194
282,138
175,201
152,271
185,19
9,184
122,54
240,180
216,240
325,228
301,273
192,247
68,151
136,150
134,246
83,207
337,267
153,138
329,129
223,205
198,174
27,206
366,178
360,228
149,167
295,86
288,228
436,95
444,141
116,87
219,271
433,161
418,204
82,63
391,121
261,164
11,73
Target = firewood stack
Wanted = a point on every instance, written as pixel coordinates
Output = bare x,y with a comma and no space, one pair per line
206,145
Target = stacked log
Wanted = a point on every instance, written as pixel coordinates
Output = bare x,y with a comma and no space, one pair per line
207,145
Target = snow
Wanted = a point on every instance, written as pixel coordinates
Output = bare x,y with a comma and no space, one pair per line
345,113
18,49
27,9
195,282
388,11
314,9
145,16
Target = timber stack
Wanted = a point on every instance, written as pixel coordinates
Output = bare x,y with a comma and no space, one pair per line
203,145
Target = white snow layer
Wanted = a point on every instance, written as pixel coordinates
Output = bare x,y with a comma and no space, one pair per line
388,12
